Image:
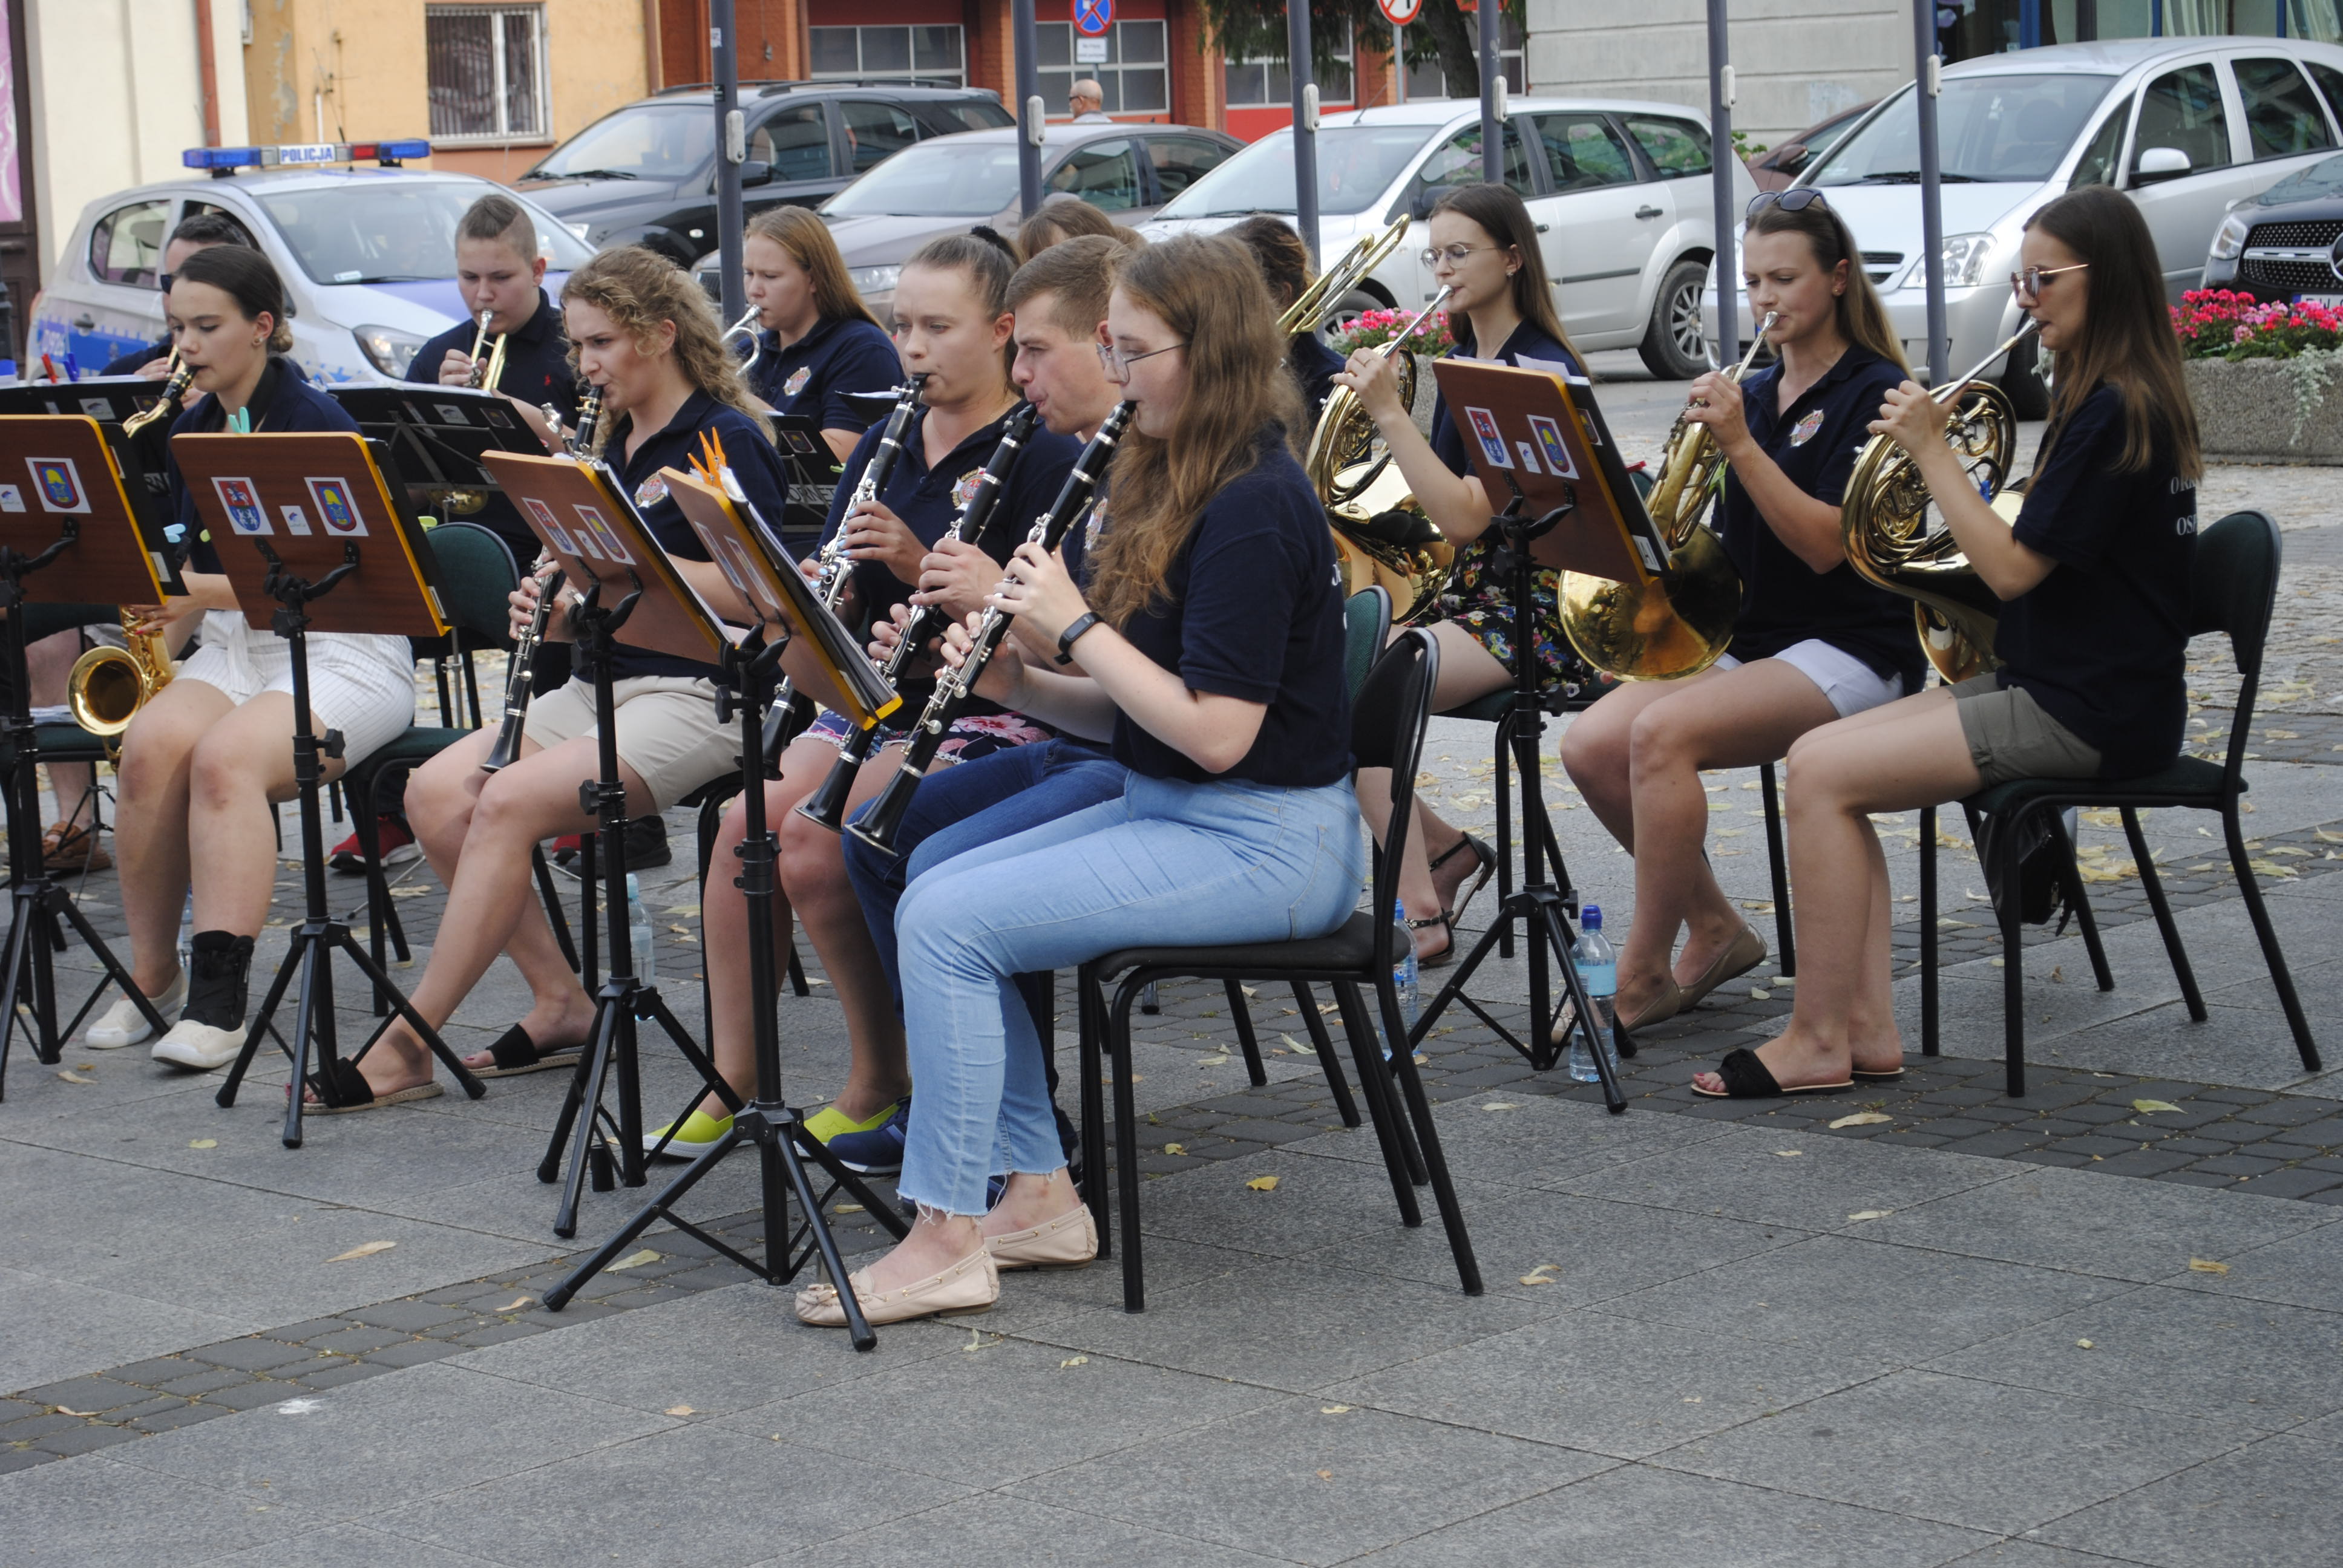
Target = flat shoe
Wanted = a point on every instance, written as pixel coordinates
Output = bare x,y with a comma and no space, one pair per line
1747,1077
1744,952
348,1091
1661,1007
1866,1075
1068,1241
514,1054
829,1122
124,1025
969,1285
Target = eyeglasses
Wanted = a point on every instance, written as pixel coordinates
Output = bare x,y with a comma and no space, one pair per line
1453,255
1118,364
2027,285
1798,200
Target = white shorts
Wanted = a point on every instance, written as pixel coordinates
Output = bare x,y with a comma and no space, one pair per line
1851,685
362,686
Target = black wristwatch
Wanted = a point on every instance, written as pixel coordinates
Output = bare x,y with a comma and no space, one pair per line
1073,634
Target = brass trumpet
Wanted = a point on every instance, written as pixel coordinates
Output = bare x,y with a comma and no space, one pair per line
487,373
174,387
108,686
747,327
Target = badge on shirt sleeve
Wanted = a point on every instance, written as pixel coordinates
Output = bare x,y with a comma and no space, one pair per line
966,488
797,381
652,492
1804,430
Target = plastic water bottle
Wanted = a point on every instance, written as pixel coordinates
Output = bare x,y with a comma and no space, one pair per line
1598,972
639,931
1403,974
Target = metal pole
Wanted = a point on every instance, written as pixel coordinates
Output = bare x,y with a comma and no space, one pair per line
1399,62
1032,115
1722,159
1932,205
731,143
1305,125
1492,142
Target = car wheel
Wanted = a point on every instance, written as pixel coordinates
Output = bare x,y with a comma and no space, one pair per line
2027,381
1674,347
1354,304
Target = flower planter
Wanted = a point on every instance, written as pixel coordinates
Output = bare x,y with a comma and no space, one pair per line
2269,410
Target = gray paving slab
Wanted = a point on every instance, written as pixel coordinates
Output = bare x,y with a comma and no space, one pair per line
2271,1505
1530,1139
1315,1201
94,1512
351,1546
1985,1456
1638,1517
2304,1270
2016,1554
993,1530
1782,1176
58,1329
1306,1479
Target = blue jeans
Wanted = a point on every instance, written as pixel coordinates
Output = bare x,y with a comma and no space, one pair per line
1166,862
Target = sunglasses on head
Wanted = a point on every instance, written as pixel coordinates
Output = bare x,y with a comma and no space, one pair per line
1798,200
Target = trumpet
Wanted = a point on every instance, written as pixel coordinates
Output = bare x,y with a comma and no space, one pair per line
174,387
108,686
487,373
746,327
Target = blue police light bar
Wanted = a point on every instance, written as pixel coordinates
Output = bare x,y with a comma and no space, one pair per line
222,161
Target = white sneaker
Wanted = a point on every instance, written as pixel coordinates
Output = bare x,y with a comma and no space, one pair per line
198,1046
123,1024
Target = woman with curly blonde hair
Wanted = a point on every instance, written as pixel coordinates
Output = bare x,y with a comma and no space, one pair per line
643,334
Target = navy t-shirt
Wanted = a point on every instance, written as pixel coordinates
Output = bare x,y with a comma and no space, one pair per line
283,401
1529,341
1314,366
1253,608
537,371
2101,642
1814,442
816,376
138,359
747,452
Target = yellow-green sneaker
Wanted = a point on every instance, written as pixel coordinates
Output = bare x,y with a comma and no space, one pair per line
700,1133
829,1122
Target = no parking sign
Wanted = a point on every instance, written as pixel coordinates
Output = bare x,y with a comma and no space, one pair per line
1095,16
1398,12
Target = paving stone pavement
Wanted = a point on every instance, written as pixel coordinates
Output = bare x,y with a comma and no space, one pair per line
2096,1324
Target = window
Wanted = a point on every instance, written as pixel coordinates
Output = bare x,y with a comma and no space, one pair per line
1135,77
1678,148
486,72
2282,113
1103,174
2183,109
1581,152
932,53
1458,163
875,130
1426,79
392,231
1261,81
205,209
795,143
1181,161
127,246
942,119
2097,166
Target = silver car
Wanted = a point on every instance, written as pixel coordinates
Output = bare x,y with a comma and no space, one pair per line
2186,126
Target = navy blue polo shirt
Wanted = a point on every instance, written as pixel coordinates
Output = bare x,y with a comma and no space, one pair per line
816,376
283,401
747,451
928,499
1314,366
537,371
1529,341
1815,441
1253,608
2101,642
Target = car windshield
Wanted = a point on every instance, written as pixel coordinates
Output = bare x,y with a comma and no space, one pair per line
642,142
2002,127
393,230
1356,164
943,178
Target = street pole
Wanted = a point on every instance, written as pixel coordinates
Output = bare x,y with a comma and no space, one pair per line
1721,160
731,141
1399,62
1031,115
1305,125
1929,82
1493,94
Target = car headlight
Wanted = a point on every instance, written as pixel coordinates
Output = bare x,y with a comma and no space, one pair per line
874,279
1964,258
2230,242
387,350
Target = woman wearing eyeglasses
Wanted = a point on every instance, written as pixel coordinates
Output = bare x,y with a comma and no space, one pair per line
1813,642
2094,585
1484,248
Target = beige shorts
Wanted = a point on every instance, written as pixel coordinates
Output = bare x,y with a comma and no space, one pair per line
2010,736
668,732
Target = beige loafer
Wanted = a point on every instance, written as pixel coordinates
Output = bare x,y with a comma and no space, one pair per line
1743,953
969,1285
1068,1241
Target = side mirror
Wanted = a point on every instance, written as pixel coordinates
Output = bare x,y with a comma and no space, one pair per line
756,172
2160,164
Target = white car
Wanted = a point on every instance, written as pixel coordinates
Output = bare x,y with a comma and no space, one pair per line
368,256
2186,126
1620,192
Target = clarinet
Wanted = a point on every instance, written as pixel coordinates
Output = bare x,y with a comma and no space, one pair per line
578,443
877,826
826,807
782,720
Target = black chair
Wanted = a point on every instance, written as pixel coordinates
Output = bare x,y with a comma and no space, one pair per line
2235,587
1387,731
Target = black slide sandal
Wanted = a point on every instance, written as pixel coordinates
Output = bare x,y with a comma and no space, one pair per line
514,1054
346,1091
1747,1077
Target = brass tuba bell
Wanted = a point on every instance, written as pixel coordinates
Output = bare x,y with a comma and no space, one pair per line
108,686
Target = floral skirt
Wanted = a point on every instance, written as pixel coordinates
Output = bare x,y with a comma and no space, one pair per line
1478,599
972,735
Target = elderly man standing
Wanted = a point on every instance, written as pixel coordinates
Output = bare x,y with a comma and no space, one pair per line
1087,102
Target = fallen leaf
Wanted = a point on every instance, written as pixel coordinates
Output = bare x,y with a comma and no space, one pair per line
2150,1107
1862,1118
1759,993
681,1410
1073,1362
203,1144
300,1406
2086,1345
1789,1154
634,1260
1543,1274
1501,1105
2058,973
1328,1006
1325,1475
68,1410
1220,1061
1263,1184
1175,1148
70,1076
366,1250
1335,1409
2207,1266
515,1304
847,1208
1862,1214
1762,906
1292,1044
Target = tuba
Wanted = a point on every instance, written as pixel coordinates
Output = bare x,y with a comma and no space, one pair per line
1885,523
108,686
1680,622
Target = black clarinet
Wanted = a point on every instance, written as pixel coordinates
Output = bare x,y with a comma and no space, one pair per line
826,807
877,826
788,713
519,682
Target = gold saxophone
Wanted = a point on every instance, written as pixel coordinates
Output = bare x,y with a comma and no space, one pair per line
174,387
108,686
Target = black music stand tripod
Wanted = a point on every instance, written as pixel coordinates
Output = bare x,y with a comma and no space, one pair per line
311,954
623,999
1546,908
37,900
768,1121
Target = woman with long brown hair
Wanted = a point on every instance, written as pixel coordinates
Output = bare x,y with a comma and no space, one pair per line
1209,645
820,351
2093,630
1285,267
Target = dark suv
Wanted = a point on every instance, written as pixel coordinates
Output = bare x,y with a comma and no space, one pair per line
645,173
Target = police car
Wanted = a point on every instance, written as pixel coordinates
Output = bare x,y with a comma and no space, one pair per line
367,255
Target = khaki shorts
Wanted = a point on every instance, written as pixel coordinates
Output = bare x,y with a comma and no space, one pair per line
668,732
2010,736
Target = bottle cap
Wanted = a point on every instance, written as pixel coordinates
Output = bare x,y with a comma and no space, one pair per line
634,887
1589,919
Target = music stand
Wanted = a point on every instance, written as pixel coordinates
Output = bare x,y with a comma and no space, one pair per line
318,514
796,632
813,474
438,436
593,532
1528,441
63,503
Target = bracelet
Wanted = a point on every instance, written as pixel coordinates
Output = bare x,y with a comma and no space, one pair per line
1073,634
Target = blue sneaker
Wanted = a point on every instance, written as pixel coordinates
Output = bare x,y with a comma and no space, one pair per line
879,1151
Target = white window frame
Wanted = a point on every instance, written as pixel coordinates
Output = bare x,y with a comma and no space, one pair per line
1077,70
505,134
1267,63
958,77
